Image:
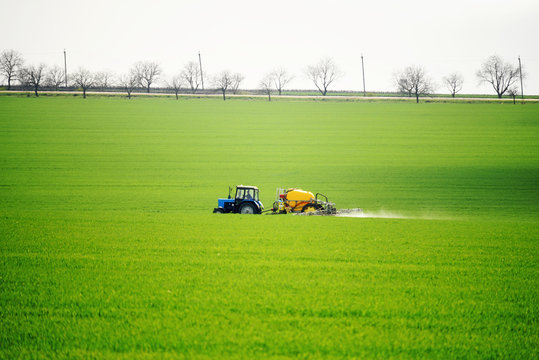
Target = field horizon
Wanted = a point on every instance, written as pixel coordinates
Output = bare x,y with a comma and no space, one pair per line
288,95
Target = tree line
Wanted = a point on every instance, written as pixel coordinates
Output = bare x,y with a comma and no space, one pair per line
501,75
412,81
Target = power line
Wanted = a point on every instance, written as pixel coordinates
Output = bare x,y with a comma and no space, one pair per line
363,71
201,76
521,85
65,67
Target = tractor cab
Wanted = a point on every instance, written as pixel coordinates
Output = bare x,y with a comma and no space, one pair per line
245,201
246,193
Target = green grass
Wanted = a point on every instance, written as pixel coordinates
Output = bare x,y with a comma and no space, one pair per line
108,248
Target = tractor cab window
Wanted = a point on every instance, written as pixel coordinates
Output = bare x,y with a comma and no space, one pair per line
240,193
247,194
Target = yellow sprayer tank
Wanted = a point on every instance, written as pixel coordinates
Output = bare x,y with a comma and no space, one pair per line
297,198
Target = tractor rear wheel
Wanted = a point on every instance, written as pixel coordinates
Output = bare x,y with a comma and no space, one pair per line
247,209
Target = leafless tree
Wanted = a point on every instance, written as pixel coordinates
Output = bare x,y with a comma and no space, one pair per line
191,74
10,63
415,81
513,92
129,82
103,79
176,84
266,84
33,76
223,82
323,74
237,78
83,79
404,84
280,79
453,83
499,74
147,73
54,77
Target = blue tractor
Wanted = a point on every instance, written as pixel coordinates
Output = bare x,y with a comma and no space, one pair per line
245,201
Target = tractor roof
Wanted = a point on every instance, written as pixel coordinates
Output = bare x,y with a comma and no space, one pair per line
246,187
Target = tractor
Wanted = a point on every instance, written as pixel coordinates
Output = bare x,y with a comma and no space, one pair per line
245,201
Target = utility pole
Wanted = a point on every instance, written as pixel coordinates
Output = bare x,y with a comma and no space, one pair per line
520,72
363,71
65,67
201,76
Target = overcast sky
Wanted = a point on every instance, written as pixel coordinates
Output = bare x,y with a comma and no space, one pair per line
254,37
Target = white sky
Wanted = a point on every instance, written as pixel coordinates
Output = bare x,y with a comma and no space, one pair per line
254,37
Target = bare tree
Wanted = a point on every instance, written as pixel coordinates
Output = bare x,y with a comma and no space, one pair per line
513,92
223,82
10,63
266,84
54,77
403,84
415,81
103,79
499,74
129,82
147,73
323,74
176,84
191,74
280,79
237,78
83,79
453,83
32,76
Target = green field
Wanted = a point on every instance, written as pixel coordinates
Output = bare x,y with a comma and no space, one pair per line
109,249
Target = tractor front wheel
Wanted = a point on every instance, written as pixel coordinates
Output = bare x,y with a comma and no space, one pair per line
247,209
218,211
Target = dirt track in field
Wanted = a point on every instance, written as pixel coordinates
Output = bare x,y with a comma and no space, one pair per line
308,97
